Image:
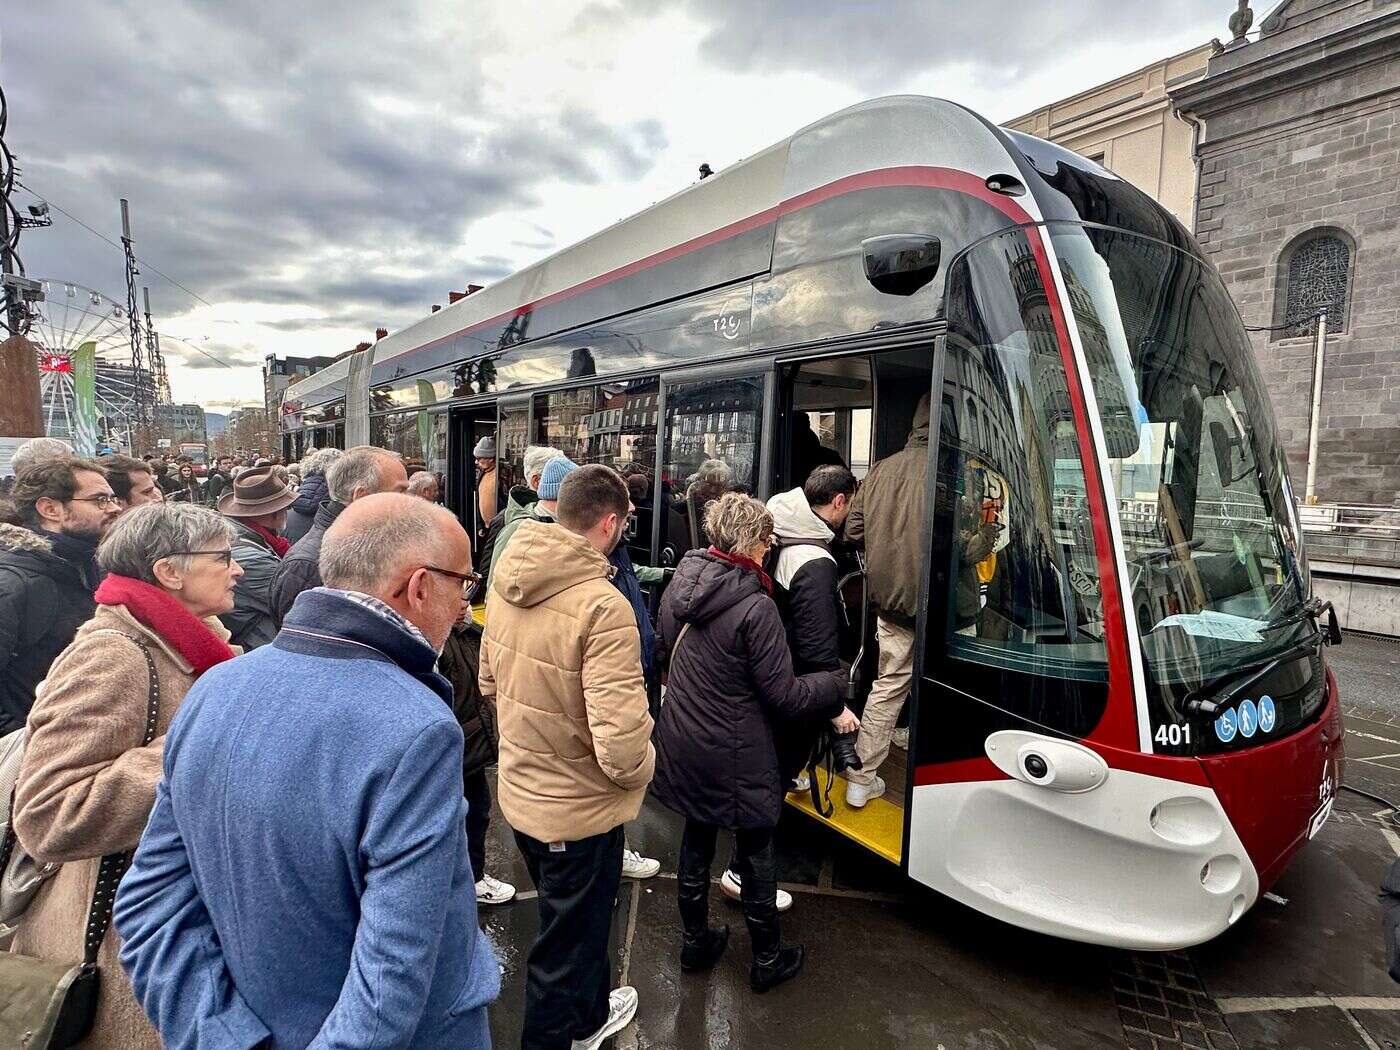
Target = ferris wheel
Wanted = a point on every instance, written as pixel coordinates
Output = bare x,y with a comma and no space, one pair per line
71,315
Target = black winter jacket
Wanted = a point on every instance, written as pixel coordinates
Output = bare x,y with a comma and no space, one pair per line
302,514
730,678
44,599
460,664
301,568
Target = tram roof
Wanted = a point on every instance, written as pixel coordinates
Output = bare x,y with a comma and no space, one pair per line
883,133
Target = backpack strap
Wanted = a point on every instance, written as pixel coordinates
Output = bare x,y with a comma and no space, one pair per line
114,865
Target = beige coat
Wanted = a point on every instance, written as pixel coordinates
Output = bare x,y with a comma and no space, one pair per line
562,657
86,789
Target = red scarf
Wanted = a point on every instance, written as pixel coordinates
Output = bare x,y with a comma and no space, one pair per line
745,563
168,618
280,544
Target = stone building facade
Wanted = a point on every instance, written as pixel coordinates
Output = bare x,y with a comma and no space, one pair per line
1298,205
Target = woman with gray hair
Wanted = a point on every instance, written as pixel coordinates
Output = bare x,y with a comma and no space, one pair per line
717,766
311,492
88,780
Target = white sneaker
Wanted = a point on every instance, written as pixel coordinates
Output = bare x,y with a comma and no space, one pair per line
635,866
900,738
493,891
731,886
857,795
622,1006
802,782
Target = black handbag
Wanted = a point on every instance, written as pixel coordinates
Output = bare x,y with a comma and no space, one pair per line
49,1005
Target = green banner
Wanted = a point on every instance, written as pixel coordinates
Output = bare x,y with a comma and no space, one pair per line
85,400
426,396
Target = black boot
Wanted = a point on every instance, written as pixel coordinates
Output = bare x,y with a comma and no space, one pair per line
703,953
783,965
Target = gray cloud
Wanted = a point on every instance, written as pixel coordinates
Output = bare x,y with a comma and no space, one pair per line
879,47
310,154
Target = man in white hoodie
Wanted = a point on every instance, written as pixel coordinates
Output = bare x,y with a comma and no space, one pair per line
806,521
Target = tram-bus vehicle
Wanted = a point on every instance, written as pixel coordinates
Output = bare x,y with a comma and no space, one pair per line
1137,730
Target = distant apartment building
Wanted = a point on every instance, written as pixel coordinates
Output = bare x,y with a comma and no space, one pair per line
181,422
281,372
1128,125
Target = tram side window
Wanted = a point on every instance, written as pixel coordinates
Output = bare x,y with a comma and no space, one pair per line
1015,582
412,434
713,430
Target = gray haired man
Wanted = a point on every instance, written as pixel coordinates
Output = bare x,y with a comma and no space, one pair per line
363,471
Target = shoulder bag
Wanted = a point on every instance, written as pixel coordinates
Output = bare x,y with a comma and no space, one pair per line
51,1005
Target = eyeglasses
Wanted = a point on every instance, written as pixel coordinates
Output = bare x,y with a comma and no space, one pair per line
471,581
106,499
225,556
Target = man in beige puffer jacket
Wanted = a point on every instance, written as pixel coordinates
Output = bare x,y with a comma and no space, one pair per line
562,658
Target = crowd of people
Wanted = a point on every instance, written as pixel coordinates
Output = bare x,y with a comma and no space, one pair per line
280,712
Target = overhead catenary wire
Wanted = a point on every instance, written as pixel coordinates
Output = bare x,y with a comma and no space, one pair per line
147,265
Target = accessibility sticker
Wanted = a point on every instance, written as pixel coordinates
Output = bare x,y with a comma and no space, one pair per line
1268,717
1249,718
1226,726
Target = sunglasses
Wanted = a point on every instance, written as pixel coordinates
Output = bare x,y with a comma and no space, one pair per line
471,581
224,556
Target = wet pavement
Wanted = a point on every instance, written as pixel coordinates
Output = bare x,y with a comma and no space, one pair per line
892,965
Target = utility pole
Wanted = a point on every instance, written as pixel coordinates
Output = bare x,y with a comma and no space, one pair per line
140,376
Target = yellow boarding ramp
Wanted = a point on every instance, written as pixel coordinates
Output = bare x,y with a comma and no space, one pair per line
878,825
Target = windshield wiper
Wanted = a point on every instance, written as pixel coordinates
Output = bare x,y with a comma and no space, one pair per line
1201,704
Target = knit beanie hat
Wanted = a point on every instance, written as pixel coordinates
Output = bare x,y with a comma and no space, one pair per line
553,475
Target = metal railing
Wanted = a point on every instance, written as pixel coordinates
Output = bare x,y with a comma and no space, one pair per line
1355,532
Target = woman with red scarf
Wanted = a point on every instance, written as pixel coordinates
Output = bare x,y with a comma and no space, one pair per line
730,679
87,783
257,505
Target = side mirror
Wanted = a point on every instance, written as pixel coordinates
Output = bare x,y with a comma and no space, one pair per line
901,263
1333,630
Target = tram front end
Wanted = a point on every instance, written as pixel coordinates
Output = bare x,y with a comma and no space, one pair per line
1134,730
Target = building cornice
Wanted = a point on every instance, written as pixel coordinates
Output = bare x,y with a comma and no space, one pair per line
1291,68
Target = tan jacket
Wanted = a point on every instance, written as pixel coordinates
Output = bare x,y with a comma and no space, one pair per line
562,657
86,789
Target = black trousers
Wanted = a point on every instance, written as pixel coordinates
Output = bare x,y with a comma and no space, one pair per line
756,864
568,973
478,791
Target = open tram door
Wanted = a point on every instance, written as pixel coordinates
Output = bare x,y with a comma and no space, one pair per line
858,409
474,493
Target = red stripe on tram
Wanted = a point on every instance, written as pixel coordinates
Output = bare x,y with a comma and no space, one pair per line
1118,727
909,175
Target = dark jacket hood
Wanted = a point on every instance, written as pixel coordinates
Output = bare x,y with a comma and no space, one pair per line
57,557
312,492
705,586
326,513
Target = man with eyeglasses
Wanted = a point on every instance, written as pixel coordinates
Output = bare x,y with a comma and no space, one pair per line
48,573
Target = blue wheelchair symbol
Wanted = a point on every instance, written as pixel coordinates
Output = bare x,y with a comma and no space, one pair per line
1226,726
1249,718
1268,717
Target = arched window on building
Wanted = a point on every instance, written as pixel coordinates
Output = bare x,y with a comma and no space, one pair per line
1314,271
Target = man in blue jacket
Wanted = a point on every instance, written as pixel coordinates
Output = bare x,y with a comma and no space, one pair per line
303,880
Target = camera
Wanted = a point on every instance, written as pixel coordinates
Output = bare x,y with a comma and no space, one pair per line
843,752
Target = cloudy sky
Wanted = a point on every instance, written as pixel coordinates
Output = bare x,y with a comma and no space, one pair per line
314,170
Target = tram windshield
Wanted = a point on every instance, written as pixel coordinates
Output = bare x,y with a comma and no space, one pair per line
1211,537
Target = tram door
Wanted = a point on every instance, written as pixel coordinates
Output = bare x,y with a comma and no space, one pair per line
857,411
475,493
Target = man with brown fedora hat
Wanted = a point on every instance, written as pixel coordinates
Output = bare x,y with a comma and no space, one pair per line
257,506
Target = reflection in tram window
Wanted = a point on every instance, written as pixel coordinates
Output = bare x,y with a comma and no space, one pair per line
713,429
510,447
419,437
1211,539
1015,580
